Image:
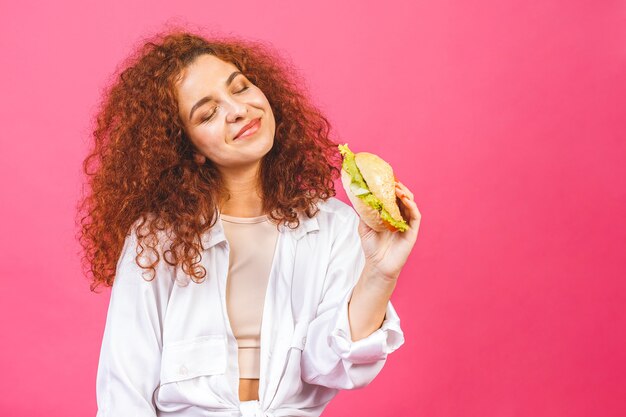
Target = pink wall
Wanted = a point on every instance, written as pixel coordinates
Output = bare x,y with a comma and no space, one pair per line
506,120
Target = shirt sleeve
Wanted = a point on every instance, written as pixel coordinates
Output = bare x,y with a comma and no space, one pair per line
330,357
130,356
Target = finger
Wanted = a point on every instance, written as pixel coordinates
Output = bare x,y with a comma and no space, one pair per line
404,211
363,228
405,190
399,192
414,212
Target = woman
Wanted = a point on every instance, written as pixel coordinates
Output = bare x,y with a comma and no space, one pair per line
212,164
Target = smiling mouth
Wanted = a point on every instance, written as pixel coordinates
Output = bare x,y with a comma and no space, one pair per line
250,131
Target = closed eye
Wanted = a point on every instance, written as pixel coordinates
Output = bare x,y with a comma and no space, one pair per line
215,111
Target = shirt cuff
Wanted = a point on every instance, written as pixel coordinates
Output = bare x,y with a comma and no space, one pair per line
372,348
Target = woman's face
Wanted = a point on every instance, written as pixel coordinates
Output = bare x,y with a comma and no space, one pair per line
215,102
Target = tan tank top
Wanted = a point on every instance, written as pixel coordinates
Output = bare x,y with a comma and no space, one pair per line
252,242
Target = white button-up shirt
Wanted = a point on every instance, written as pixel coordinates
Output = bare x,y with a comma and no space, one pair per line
168,348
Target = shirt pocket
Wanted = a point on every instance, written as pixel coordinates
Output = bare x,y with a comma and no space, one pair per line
191,358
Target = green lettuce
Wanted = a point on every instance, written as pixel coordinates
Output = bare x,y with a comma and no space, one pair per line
359,187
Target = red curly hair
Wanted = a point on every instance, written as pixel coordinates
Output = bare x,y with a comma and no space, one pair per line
141,169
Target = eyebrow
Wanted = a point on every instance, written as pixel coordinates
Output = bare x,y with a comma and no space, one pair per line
206,99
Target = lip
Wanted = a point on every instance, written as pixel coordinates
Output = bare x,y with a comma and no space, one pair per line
249,129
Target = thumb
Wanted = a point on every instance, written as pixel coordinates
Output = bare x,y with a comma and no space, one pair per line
363,228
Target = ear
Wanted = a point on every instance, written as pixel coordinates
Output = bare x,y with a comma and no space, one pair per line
199,158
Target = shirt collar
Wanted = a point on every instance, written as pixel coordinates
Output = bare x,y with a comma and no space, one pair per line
215,234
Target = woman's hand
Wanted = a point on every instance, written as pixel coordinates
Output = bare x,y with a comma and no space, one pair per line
386,252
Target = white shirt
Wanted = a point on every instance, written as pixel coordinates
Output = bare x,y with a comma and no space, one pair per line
168,348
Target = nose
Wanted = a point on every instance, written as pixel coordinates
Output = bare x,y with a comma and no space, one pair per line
236,110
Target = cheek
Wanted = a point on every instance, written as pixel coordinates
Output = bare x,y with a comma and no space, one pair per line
204,138
260,98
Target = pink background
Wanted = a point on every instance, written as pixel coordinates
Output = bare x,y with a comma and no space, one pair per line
505,118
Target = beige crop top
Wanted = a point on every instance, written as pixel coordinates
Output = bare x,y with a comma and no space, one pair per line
252,242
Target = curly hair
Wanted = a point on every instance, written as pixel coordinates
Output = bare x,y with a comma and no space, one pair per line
141,169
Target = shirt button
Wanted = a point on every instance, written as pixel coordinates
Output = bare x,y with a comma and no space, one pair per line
182,370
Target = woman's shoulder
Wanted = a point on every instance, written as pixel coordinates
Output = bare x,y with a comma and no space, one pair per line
142,225
146,229
334,210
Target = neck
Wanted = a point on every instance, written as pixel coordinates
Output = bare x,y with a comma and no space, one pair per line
246,197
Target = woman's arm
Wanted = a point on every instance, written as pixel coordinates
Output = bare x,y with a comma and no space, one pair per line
331,357
130,356
386,253
368,304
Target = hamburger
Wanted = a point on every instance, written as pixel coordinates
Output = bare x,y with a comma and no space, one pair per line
370,185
